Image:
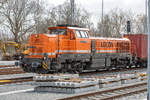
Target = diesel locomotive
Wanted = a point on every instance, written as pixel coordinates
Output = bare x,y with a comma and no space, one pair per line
70,49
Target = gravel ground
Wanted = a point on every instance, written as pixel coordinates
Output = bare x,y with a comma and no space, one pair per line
15,87
32,95
29,95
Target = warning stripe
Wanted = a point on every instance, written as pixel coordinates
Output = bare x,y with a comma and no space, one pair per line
75,51
44,66
64,51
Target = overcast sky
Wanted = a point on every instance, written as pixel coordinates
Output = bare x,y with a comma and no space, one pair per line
94,6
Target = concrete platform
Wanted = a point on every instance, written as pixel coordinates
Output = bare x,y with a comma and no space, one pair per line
54,77
66,87
63,83
65,90
67,84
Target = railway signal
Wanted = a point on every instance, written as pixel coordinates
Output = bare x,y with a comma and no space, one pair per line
128,26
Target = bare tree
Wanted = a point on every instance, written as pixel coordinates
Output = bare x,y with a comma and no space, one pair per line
107,27
2,2
18,17
61,14
82,17
139,24
114,23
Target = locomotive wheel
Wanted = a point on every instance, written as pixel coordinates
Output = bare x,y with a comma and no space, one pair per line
25,69
63,70
80,68
138,65
144,64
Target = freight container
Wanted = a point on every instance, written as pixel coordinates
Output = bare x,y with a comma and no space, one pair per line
140,44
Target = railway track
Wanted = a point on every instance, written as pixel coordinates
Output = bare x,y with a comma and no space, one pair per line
7,66
112,93
127,70
15,80
10,69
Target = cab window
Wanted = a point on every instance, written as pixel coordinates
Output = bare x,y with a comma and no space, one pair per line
58,31
86,33
83,34
78,34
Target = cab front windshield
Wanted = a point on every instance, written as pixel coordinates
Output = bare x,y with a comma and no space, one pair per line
58,31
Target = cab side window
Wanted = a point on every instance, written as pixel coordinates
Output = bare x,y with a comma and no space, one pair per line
78,34
59,31
86,33
82,34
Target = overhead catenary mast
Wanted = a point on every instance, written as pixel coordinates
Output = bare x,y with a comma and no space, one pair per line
146,24
72,11
37,17
102,17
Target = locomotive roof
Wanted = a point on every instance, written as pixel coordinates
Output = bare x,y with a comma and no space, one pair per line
105,38
50,35
69,27
77,28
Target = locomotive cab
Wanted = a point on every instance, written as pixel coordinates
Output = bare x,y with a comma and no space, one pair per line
71,39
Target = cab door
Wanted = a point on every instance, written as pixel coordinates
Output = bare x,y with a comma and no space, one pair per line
72,42
83,43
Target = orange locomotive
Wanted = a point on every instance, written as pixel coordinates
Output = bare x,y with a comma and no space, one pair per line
70,49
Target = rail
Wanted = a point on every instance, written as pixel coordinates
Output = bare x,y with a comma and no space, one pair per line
10,69
15,80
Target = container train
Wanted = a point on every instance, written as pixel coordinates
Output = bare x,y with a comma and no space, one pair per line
70,49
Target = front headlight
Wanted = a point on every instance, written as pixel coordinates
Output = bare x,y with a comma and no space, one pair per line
44,58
